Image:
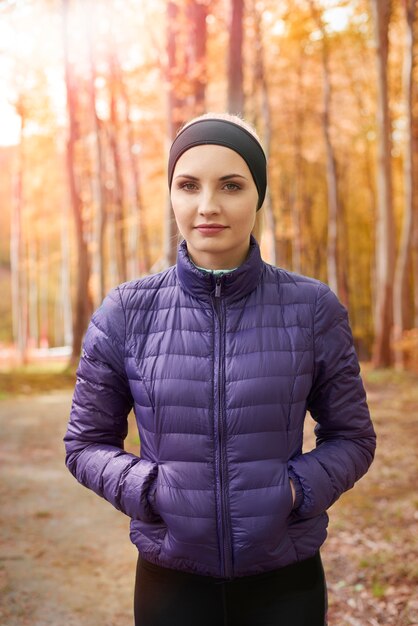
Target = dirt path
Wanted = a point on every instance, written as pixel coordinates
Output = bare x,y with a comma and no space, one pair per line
65,554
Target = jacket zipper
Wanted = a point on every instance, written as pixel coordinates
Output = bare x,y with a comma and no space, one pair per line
225,540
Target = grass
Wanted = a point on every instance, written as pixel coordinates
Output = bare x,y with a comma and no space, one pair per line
378,590
376,378
49,375
35,378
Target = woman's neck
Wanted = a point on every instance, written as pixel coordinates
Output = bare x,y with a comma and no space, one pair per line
215,262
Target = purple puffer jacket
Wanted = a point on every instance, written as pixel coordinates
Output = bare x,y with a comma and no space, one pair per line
220,373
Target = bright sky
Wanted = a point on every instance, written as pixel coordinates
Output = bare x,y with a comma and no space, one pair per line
23,41
30,50
9,124
338,17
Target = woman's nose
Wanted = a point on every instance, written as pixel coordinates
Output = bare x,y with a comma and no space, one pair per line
208,203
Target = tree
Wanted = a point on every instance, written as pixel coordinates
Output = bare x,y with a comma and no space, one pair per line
235,65
186,84
261,87
175,121
385,227
17,251
137,256
296,193
334,210
403,300
133,250
83,302
97,179
415,201
197,13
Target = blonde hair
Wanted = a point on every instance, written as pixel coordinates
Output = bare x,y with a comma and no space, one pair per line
228,117
257,231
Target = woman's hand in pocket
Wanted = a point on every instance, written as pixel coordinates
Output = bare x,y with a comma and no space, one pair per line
292,487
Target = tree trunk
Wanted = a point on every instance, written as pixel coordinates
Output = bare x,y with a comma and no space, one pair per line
136,242
83,303
198,12
132,236
43,294
98,165
139,235
175,121
333,206
415,219
235,64
343,245
296,205
65,278
402,300
261,85
332,183
356,88
33,289
17,254
119,186
385,243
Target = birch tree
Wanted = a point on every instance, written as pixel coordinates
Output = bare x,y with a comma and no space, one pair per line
17,250
333,270
385,228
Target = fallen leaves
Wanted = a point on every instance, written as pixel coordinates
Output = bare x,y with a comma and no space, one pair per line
371,555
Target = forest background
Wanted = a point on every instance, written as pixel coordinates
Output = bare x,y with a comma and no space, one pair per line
93,92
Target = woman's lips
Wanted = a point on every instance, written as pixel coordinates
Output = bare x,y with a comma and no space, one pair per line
210,230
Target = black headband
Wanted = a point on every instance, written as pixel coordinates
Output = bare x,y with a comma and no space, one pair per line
222,133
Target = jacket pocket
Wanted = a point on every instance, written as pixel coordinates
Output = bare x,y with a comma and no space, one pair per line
142,394
298,489
152,497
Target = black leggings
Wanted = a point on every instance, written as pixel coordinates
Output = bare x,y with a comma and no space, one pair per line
291,596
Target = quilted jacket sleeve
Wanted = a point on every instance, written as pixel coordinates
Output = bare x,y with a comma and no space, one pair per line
98,422
345,438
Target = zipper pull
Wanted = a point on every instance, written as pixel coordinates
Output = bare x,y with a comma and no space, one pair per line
218,287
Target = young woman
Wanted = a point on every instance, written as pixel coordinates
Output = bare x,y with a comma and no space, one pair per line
221,356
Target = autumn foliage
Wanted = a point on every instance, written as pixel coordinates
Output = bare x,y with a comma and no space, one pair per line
93,93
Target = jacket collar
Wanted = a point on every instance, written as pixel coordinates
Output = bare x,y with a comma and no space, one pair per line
234,285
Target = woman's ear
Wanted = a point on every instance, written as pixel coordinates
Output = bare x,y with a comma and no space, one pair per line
257,230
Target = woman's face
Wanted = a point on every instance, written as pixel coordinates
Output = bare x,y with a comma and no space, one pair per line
214,200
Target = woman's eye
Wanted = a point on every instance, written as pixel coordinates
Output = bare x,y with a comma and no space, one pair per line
231,186
188,186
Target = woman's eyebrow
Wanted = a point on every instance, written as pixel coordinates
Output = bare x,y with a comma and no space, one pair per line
222,178
232,176
189,176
